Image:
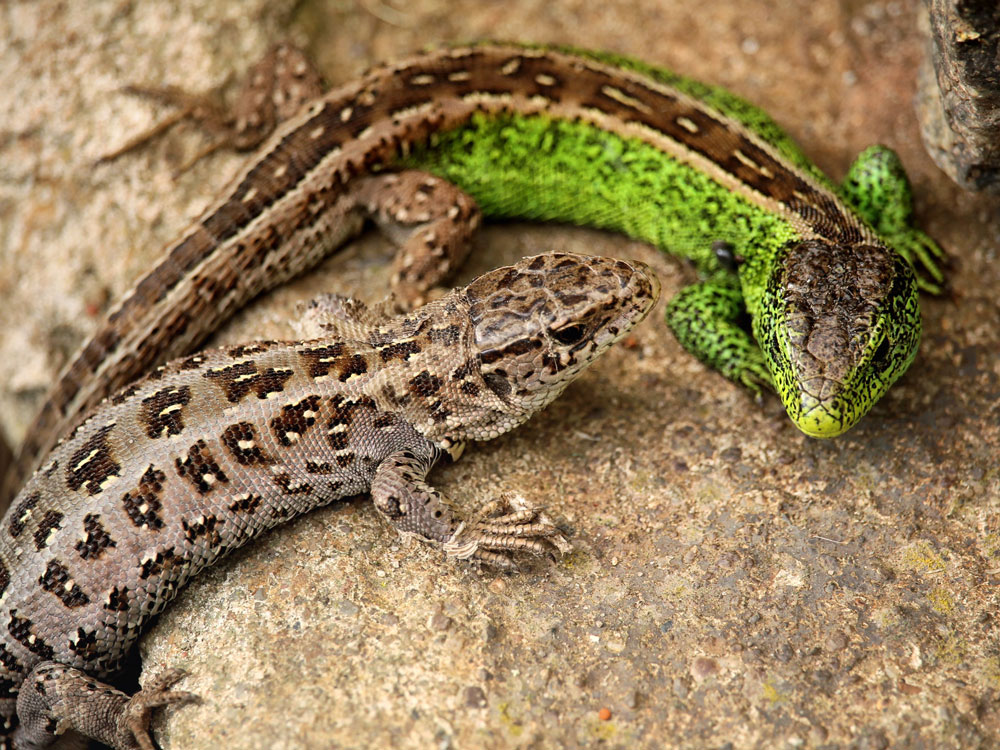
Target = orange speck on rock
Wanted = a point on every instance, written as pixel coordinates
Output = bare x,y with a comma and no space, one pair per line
604,714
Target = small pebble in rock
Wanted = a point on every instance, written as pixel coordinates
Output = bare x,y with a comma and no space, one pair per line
702,668
475,697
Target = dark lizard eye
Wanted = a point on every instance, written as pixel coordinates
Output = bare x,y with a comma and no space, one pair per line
569,335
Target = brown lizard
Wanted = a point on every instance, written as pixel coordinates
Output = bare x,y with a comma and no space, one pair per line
177,470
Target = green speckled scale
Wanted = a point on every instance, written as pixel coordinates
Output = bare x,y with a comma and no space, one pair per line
546,167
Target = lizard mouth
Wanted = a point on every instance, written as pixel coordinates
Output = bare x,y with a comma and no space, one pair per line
823,418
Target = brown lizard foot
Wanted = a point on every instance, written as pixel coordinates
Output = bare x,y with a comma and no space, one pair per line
274,90
504,526
139,709
56,698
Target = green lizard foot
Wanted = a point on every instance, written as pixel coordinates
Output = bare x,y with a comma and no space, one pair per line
705,317
877,187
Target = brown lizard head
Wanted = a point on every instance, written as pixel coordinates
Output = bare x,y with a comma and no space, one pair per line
541,322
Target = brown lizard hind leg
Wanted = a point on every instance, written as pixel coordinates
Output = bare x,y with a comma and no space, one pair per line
56,698
273,90
431,220
500,529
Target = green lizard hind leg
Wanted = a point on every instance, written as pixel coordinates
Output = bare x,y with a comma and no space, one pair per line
705,317
877,187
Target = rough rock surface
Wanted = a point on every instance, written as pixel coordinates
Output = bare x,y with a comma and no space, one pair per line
735,583
959,91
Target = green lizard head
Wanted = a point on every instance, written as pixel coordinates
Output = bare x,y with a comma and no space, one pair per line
839,325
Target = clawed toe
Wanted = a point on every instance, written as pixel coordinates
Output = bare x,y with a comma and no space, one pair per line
155,694
505,527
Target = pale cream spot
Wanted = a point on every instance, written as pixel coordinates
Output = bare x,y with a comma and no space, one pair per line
748,162
317,132
622,98
543,79
459,75
292,437
687,124
208,479
280,172
511,67
422,80
251,194
246,445
86,460
345,113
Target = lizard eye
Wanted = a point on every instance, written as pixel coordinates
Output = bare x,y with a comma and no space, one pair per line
569,335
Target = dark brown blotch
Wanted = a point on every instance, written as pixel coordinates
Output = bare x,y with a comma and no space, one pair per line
19,518
85,645
118,599
424,384
236,380
164,563
143,504
124,395
348,367
401,351
93,463
294,419
320,360
242,441
290,486
9,661
50,521
20,628
447,336
246,504
97,539
57,580
162,413
205,528
242,378
200,468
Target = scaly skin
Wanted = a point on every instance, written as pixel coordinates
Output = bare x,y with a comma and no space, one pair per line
212,450
572,136
820,342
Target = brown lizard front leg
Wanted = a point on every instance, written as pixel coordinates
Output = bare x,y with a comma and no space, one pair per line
415,508
56,698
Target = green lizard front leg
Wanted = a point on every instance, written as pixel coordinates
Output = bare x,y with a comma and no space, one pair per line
876,186
706,318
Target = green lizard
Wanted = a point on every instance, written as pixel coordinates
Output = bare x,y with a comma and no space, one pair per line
697,171
825,274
